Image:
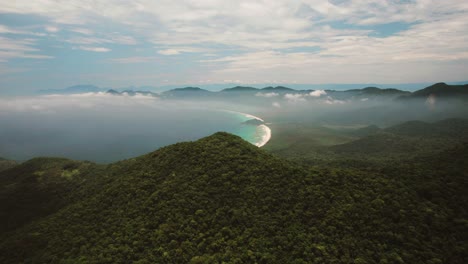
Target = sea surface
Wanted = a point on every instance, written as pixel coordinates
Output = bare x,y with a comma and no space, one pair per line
108,135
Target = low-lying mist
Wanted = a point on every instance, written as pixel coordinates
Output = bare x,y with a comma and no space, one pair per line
103,127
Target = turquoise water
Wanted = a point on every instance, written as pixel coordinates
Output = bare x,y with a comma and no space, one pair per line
112,134
247,132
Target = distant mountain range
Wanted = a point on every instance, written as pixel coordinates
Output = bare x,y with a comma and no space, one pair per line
442,90
437,90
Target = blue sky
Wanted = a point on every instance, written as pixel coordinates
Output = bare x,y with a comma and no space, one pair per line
47,44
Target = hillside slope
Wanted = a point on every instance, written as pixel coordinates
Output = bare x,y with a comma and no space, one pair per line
6,164
442,89
410,138
41,186
220,199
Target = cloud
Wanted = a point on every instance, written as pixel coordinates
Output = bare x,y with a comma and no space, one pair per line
130,60
111,38
332,101
179,50
19,48
276,104
93,49
317,93
299,97
9,30
52,29
267,95
84,31
287,39
431,101
169,52
55,103
294,98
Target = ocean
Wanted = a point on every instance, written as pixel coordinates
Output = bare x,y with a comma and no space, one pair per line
110,133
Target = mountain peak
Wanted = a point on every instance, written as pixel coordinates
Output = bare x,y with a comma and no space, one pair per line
189,89
442,89
240,89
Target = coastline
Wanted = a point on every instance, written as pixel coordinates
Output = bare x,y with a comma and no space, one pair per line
265,131
245,114
265,137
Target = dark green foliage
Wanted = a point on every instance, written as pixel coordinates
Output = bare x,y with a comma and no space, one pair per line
448,128
220,199
442,90
187,93
6,164
279,89
365,131
39,187
363,146
240,89
372,91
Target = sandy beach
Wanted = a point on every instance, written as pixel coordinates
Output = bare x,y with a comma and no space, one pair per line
266,135
263,129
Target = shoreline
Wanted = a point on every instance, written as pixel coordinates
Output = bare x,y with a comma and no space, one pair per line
246,115
265,137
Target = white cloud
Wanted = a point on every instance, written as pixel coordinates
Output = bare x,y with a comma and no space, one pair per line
52,29
129,60
276,104
332,101
107,38
93,49
121,39
58,103
19,48
84,31
317,93
294,98
267,95
258,36
19,31
169,52
182,49
299,97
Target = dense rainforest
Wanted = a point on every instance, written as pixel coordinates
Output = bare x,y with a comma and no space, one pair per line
223,200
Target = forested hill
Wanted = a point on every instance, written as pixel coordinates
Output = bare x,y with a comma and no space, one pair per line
6,164
442,89
220,199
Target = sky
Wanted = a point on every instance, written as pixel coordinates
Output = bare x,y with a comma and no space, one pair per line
47,44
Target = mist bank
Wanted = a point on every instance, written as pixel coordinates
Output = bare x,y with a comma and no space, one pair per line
103,128
82,88
107,126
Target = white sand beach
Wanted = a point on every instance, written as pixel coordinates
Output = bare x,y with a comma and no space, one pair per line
266,135
263,131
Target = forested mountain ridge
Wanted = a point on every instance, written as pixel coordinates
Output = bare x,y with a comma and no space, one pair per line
42,186
367,145
6,164
220,199
442,90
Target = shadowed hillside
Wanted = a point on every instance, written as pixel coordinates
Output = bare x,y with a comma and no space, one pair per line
220,199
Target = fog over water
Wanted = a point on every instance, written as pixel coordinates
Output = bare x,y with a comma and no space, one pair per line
104,128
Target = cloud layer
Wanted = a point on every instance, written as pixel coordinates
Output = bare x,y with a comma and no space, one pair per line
187,41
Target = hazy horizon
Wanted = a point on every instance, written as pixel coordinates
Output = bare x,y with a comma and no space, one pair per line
51,45
411,87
